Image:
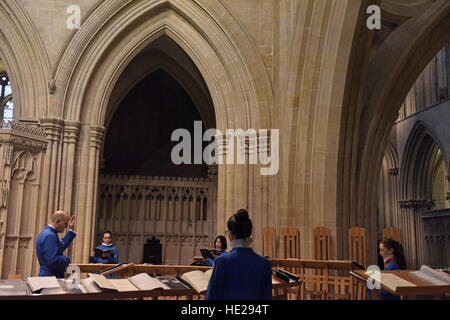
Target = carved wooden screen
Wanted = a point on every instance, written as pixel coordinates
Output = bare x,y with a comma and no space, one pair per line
178,212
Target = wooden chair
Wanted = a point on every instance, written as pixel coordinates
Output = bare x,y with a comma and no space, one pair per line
393,233
269,238
13,276
316,285
358,253
291,243
321,243
291,248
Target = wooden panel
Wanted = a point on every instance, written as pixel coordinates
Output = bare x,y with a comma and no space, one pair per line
269,239
393,233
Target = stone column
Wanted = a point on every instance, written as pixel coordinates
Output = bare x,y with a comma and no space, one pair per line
447,197
442,74
50,183
95,141
413,230
70,138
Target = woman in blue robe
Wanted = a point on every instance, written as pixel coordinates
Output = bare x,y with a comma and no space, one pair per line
394,259
220,243
106,258
241,274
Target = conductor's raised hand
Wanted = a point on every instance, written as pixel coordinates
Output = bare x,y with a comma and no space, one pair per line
72,222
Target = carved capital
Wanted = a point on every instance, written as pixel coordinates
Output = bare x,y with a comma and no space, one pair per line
52,128
96,135
71,131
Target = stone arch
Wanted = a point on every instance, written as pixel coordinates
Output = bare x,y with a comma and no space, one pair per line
218,47
112,35
388,76
25,59
416,166
391,155
148,62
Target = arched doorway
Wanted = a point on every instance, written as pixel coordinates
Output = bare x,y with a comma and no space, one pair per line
143,195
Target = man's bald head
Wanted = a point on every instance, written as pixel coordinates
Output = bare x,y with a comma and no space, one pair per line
59,215
59,220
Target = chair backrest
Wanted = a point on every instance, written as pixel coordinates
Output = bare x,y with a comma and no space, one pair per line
357,245
321,243
269,238
393,233
17,276
291,243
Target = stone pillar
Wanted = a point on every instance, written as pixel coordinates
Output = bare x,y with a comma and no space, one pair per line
50,184
442,74
212,203
412,229
447,197
96,135
70,138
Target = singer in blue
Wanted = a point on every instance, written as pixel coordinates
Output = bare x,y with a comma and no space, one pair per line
111,258
50,249
241,274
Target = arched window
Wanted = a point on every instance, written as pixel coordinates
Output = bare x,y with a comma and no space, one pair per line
6,98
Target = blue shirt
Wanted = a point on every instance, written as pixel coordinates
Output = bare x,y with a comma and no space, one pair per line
210,262
49,250
240,275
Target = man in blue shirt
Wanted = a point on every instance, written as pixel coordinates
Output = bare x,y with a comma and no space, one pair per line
49,248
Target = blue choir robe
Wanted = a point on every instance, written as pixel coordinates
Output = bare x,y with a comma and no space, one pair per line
113,259
210,262
240,275
49,250
385,295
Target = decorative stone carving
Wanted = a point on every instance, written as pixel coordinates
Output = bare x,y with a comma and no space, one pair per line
52,86
393,171
416,204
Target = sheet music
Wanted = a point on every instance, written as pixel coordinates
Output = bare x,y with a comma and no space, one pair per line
198,279
89,285
432,276
144,282
392,281
101,281
38,283
123,285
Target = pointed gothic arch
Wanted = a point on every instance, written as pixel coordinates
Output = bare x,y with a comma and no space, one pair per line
226,58
25,59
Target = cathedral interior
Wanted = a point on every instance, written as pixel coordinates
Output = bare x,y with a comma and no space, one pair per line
362,113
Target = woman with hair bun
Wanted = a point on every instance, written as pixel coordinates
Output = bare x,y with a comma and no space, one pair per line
241,274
